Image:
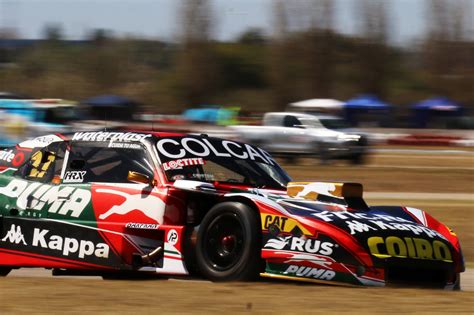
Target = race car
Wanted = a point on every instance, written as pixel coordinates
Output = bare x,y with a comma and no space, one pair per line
112,203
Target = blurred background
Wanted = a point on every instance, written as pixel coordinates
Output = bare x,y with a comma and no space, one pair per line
386,86
373,64
259,55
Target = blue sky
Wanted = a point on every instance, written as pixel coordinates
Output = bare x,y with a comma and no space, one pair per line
160,18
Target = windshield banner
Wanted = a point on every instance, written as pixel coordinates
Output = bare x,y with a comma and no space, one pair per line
189,147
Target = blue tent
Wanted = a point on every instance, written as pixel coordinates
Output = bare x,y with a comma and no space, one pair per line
114,107
109,101
211,115
436,106
369,106
18,107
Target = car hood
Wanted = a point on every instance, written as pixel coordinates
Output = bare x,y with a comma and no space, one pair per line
385,232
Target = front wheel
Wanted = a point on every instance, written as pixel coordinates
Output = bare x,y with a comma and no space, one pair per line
357,159
228,243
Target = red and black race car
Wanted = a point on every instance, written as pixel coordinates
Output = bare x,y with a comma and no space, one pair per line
110,203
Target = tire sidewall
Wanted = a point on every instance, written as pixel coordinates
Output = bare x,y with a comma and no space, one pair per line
247,265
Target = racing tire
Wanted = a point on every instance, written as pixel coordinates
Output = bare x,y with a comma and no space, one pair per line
4,271
322,153
457,283
357,159
228,243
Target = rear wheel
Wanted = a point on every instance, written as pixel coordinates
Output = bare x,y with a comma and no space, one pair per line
357,159
321,152
4,271
228,243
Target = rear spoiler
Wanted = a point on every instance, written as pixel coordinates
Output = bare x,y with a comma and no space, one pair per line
347,194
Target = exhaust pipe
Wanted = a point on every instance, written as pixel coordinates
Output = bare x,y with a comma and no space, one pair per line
152,257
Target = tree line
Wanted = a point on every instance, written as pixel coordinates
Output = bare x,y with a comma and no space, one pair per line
303,58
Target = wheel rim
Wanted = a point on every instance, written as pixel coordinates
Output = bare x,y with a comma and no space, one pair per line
224,242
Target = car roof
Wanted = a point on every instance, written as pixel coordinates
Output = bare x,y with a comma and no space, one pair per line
96,135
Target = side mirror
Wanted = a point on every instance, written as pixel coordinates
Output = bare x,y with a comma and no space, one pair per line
140,178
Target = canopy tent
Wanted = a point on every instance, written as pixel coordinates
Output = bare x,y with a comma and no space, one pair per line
24,108
114,107
317,105
368,108
212,115
436,107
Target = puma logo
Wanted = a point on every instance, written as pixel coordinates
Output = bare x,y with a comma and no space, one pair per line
151,206
311,190
317,261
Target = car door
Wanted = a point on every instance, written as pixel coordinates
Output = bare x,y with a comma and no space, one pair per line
126,208
296,139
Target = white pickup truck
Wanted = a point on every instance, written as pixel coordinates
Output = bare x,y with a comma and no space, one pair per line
295,134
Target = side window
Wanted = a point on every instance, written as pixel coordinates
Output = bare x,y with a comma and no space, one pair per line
291,121
95,162
45,164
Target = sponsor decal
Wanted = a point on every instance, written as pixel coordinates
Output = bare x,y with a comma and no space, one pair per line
358,227
110,136
178,164
175,149
329,216
319,261
124,145
14,235
74,176
278,243
301,244
35,196
142,226
312,190
275,220
408,247
40,142
69,245
178,177
309,272
7,156
373,225
150,205
375,222
283,223
203,176
172,237
18,159
15,158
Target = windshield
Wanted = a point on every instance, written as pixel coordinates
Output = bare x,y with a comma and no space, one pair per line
334,123
57,115
217,160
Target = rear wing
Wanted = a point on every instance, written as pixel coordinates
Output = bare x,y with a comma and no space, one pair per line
347,194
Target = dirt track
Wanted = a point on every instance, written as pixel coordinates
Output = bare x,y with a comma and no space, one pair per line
451,177
30,295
